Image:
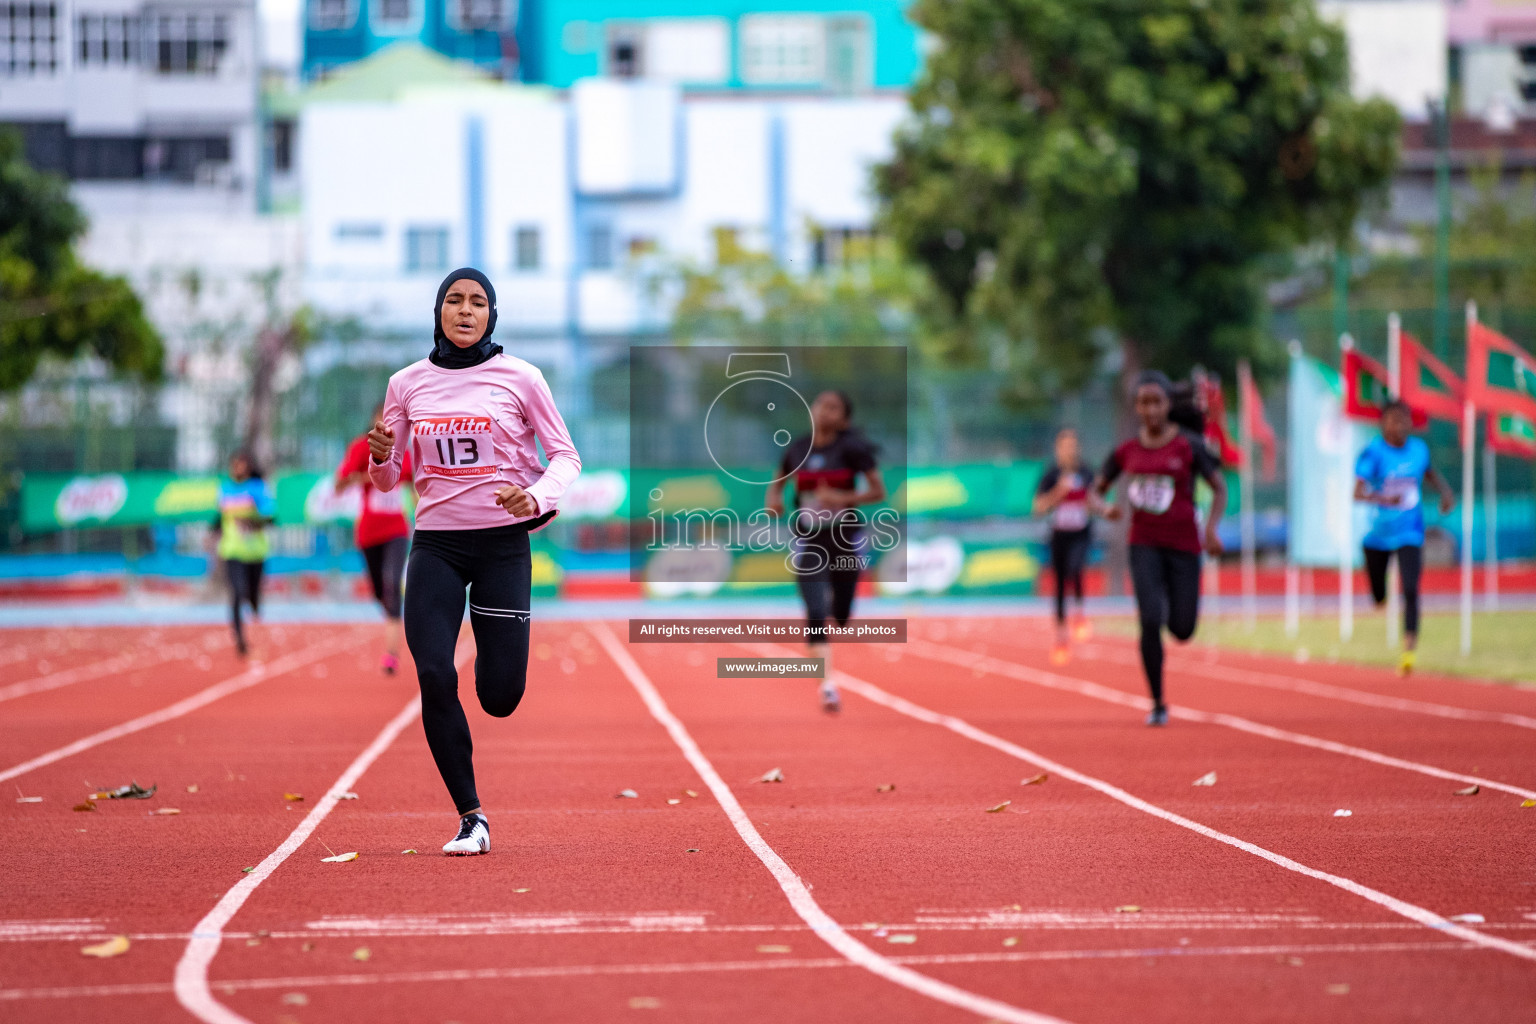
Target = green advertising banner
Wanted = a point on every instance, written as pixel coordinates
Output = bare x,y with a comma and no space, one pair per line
60,501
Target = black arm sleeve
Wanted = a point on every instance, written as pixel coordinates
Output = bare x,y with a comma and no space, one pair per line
1111,469
1204,463
1048,480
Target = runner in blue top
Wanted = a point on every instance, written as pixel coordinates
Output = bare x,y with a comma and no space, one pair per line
1390,474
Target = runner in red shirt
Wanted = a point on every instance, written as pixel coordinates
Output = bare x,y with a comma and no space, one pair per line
1161,464
382,536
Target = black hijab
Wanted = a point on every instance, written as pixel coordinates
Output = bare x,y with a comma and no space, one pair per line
444,352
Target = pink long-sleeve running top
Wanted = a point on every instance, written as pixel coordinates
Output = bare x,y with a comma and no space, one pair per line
472,431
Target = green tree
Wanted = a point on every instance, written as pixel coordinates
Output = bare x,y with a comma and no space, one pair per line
50,304
1081,174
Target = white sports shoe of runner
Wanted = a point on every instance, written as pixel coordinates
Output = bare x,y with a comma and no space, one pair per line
474,837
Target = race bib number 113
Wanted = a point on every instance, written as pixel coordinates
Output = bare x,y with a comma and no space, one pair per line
456,446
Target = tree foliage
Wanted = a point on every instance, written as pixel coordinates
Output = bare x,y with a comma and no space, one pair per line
50,304
1080,174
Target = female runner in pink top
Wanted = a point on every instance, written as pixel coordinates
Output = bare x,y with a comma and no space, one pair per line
471,415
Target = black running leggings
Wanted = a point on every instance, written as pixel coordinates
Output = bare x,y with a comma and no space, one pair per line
827,569
494,565
386,568
1167,584
244,588
1410,564
1069,553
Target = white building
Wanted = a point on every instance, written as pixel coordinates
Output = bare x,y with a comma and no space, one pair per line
564,198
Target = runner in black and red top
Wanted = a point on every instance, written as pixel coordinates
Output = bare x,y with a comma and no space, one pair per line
829,549
1161,464
1063,495
383,536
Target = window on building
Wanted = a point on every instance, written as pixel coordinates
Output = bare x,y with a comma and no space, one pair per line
188,44
283,131
782,49
478,15
525,247
626,51
599,247
849,68
110,39
359,232
426,249
106,158
395,10
185,158
326,15
29,38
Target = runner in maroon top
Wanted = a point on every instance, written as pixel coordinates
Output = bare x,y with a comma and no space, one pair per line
382,535
1062,494
1161,464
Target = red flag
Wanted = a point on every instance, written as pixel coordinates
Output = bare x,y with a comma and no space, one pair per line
1443,402
1216,422
1258,427
1366,390
1501,376
1510,434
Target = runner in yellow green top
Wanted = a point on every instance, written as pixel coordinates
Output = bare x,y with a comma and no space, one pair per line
245,509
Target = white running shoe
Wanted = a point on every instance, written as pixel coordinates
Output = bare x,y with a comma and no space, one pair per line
474,837
831,700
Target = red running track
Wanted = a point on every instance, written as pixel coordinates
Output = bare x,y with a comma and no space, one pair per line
596,907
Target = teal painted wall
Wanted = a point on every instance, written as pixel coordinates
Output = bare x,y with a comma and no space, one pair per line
894,39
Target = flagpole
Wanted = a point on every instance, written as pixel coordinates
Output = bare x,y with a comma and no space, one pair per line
1346,534
1490,529
1468,453
1395,386
1245,495
1292,575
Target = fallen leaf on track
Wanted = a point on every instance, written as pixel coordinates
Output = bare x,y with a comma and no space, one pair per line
192,788
166,810
886,787
522,890
407,851
773,949
132,791
29,799
903,940
693,849
690,793
1208,779
1129,908
340,858
88,805
1342,813
626,794
999,808
1036,780
362,953
117,945
1469,918
1528,803
673,800
293,797
246,871
1012,940
346,796
1469,791
772,775
1338,990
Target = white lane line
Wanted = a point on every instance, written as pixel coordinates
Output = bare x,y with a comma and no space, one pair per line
1298,684
250,677
1098,691
1428,918
191,982
795,890
133,661
301,982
